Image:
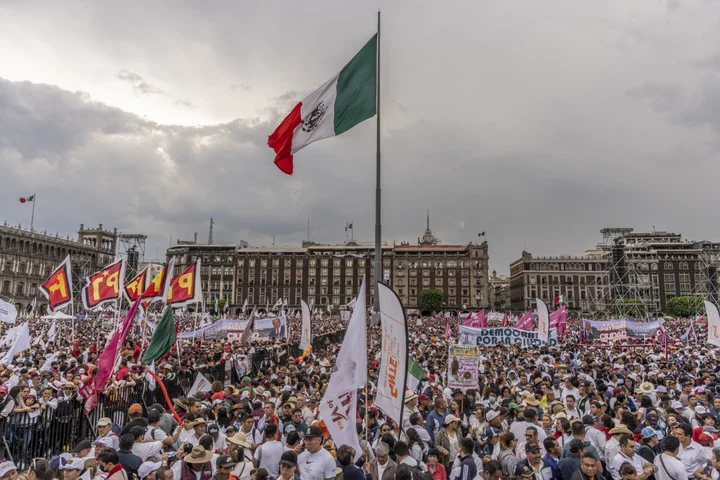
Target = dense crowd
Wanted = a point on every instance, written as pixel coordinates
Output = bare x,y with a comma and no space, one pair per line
573,412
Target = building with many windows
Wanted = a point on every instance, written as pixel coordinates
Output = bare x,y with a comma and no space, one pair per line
332,274
27,258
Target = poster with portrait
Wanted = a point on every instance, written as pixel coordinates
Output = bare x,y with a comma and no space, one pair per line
463,364
271,329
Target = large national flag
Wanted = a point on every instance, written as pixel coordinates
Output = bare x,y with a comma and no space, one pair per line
560,299
135,287
393,366
415,374
185,288
338,405
31,198
543,321
713,321
345,100
158,288
58,288
104,286
163,337
305,340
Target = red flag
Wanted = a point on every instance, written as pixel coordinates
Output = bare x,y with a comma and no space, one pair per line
184,288
158,288
103,286
525,322
135,287
58,288
506,321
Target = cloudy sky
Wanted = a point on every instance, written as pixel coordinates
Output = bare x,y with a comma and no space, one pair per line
538,122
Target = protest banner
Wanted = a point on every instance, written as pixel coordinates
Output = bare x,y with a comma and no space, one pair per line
490,337
619,330
463,363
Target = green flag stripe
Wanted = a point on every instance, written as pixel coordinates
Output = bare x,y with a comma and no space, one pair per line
163,337
414,369
356,89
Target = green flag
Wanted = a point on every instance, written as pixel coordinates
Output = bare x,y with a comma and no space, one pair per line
163,337
415,374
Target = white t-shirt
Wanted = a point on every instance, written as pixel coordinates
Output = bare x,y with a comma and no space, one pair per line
146,449
674,467
269,459
155,434
316,466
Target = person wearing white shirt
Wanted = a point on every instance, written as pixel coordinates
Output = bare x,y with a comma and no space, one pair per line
691,454
570,389
594,436
627,454
668,465
268,454
315,463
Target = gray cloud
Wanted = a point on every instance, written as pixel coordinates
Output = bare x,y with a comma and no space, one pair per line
139,85
538,132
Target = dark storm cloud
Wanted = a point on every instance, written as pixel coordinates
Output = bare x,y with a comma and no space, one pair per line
537,123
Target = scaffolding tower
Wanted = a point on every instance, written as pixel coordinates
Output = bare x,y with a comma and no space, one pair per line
132,247
627,277
706,273
81,267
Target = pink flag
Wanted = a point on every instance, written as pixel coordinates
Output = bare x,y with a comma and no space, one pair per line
558,320
106,361
525,322
477,320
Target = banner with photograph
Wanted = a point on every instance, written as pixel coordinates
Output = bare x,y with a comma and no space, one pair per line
463,363
490,337
270,329
619,330
230,329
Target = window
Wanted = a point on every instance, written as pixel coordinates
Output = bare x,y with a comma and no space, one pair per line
413,281
323,272
670,288
533,280
386,262
275,263
426,273
452,282
324,262
337,272
361,262
426,282
438,281
336,262
311,290
336,290
263,262
683,266
348,290
299,263
241,262
312,262
288,263
323,281
349,263
669,277
668,266
251,263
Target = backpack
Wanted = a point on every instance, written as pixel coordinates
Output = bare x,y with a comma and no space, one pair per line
419,474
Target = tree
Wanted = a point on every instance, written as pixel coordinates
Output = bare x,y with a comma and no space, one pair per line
431,300
221,306
631,307
685,306
335,309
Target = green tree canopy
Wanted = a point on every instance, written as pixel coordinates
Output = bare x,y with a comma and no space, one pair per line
431,300
685,306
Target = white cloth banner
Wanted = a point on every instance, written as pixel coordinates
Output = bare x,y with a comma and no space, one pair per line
713,319
20,344
48,363
490,337
201,384
338,406
8,312
543,321
305,329
393,366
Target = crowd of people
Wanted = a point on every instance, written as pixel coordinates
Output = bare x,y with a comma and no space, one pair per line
576,411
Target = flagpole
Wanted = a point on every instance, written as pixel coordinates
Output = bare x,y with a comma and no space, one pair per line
32,216
378,223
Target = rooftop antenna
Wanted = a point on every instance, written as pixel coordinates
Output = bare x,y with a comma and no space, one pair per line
196,237
210,235
308,235
273,241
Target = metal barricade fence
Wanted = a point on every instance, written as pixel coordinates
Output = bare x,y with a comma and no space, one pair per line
51,431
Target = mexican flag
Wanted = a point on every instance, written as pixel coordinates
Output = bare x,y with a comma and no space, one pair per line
27,199
163,337
342,102
560,299
348,227
415,374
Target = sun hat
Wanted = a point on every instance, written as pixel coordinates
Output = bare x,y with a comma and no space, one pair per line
147,468
198,455
239,439
492,415
620,429
450,419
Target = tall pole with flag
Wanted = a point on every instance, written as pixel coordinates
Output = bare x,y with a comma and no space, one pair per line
378,191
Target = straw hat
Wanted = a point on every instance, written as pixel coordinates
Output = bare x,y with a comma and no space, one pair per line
239,439
410,395
196,422
647,387
198,455
620,429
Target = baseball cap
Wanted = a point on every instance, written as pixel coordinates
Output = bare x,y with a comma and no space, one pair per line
4,389
422,397
225,461
83,445
313,431
288,458
492,432
135,409
6,467
525,471
648,432
104,422
74,464
492,415
213,429
532,446
576,445
106,441
147,468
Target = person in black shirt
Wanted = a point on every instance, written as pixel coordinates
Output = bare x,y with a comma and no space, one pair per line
129,461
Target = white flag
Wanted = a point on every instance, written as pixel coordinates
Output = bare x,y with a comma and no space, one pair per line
150,379
21,343
38,340
338,406
48,363
285,303
249,327
393,366
305,329
10,336
8,312
244,309
278,304
201,385
713,323
543,321
52,332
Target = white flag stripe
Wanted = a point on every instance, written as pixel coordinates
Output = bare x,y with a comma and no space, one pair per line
543,321
713,323
305,340
8,312
20,344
